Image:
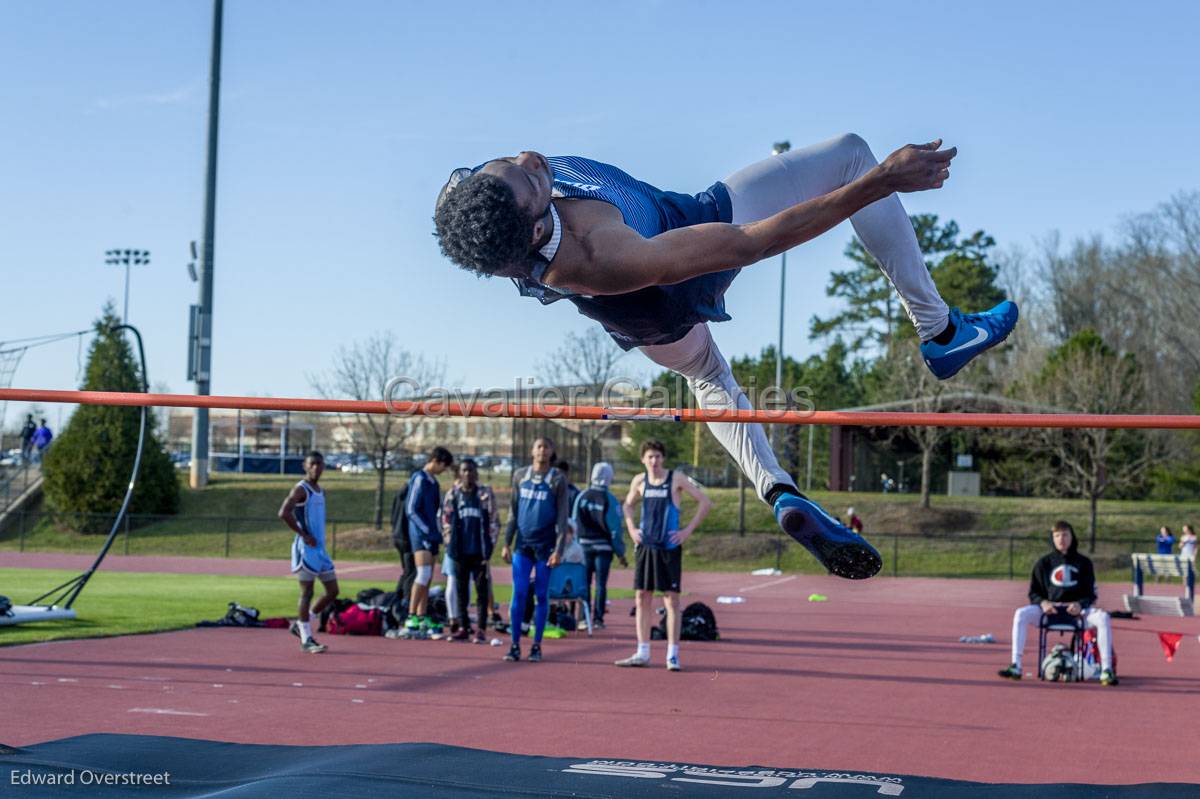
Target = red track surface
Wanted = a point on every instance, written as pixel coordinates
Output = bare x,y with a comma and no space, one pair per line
873,680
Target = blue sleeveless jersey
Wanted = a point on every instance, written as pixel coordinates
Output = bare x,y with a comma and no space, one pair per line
469,536
660,514
310,517
537,513
657,314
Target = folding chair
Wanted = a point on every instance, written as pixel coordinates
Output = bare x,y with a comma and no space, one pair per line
569,581
1062,623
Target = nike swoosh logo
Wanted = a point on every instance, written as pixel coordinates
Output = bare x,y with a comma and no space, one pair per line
981,336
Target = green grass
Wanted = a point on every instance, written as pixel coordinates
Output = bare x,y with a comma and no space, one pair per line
121,603
236,516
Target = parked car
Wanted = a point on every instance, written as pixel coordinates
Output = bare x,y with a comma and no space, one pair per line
335,460
359,465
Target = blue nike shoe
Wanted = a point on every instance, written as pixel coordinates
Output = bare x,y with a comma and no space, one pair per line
838,548
974,333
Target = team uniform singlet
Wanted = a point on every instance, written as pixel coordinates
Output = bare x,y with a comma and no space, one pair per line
660,514
656,314
310,517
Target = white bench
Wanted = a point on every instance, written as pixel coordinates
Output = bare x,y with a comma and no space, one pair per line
1162,566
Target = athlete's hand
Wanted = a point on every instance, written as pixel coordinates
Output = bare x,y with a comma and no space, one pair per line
677,537
506,553
309,540
1074,608
554,560
636,534
624,562
917,167
1048,606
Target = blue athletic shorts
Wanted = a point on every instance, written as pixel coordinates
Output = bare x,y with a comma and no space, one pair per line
418,543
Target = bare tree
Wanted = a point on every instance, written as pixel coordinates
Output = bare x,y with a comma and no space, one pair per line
588,361
1086,376
365,371
1137,294
906,378
1163,250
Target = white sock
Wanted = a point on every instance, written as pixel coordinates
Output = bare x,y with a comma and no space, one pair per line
644,650
672,651
305,630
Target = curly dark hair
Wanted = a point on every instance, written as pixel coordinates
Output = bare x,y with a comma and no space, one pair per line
480,227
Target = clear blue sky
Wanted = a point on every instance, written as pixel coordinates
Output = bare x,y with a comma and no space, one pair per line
340,121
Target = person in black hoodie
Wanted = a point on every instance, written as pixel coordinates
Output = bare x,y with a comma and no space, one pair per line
1062,581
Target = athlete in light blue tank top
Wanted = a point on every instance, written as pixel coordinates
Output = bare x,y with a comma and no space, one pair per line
304,513
310,517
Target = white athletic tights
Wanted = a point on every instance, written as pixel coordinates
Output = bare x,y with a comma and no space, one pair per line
1030,616
696,357
763,189
781,181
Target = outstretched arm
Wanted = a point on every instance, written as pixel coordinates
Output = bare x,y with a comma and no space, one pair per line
622,261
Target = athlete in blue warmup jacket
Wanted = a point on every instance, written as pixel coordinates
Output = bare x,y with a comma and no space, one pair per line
653,266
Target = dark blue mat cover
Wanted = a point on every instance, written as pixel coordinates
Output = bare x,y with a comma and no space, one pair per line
150,766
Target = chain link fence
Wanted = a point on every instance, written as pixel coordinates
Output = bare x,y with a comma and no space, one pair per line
966,556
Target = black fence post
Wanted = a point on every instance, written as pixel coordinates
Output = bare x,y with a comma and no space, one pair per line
1011,544
227,525
895,555
333,534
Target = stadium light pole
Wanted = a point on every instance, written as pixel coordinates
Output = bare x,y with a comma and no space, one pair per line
779,148
200,345
126,258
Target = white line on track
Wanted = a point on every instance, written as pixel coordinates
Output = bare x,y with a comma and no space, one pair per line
748,589
162,711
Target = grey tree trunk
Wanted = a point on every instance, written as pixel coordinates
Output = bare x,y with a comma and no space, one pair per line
1092,524
926,468
379,489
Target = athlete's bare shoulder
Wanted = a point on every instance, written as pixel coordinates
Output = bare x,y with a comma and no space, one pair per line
592,232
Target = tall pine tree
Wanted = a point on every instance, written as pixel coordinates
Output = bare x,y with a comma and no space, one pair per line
87,468
874,317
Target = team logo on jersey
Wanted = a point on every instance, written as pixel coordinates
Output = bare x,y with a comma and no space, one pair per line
1064,576
583,186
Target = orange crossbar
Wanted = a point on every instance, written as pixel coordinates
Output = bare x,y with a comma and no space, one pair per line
503,409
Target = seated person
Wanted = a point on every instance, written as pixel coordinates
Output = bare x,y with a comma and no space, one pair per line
1063,580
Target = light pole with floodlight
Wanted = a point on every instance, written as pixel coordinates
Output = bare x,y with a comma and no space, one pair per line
779,148
126,258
